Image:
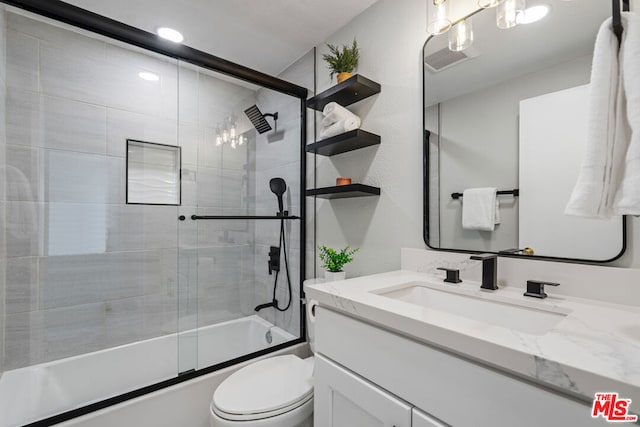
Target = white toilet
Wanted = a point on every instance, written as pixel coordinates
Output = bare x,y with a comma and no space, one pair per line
274,392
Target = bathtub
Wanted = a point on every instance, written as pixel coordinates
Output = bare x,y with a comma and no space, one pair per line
40,391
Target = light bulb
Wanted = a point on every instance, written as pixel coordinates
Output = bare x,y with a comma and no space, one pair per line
170,34
509,12
241,140
438,16
461,35
225,136
232,131
533,14
233,144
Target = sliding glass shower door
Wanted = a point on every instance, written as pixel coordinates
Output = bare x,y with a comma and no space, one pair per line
224,249
137,221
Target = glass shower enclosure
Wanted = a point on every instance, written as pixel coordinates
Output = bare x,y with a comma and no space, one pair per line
137,221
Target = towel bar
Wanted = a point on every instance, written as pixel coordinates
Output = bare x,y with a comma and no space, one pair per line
514,192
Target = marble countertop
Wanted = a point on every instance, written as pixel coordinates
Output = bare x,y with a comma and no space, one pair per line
595,348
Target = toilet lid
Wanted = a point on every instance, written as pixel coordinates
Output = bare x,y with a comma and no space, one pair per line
266,386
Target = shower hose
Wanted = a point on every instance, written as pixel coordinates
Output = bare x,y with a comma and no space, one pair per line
283,245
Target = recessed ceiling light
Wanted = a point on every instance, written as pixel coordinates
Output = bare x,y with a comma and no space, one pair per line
170,34
144,75
533,14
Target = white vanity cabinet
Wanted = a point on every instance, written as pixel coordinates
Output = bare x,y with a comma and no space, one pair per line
369,376
342,399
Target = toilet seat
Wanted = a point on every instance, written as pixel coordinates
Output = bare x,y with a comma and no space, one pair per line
265,389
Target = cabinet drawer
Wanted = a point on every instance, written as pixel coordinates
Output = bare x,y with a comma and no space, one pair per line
342,399
458,392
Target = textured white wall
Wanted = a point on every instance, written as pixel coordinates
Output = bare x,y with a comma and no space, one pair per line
479,148
391,34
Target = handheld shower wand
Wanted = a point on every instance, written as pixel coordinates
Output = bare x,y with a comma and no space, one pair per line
278,187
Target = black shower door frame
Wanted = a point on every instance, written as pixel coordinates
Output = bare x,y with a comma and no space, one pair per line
86,20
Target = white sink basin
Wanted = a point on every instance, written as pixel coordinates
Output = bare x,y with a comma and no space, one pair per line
530,320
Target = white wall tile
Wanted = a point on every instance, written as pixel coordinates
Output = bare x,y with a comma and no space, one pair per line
21,284
25,234
23,176
83,178
22,61
52,35
137,227
43,121
123,125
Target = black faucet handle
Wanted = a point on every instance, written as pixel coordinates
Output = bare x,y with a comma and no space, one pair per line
453,275
535,288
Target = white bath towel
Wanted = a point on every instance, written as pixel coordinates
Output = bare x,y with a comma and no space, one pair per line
479,209
607,134
627,199
342,126
334,113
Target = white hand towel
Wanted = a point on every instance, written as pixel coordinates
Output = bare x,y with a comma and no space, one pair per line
497,218
342,126
479,209
601,169
334,113
627,201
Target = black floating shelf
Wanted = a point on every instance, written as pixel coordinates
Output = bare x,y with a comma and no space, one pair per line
344,191
349,141
350,91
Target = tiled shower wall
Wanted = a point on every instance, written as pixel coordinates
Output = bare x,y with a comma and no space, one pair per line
278,155
85,271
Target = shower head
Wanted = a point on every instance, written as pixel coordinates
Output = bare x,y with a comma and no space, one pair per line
258,119
278,187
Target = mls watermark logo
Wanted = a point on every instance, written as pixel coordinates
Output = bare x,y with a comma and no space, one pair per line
612,408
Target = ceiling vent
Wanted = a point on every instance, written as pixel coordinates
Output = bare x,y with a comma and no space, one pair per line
445,58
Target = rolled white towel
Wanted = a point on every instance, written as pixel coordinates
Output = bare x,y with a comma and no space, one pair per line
333,113
342,126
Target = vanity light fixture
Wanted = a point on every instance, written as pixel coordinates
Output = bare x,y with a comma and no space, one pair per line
533,14
227,133
150,77
486,4
438,20
170,34
461,35
508,13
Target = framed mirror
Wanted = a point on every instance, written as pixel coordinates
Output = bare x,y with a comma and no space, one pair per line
509,112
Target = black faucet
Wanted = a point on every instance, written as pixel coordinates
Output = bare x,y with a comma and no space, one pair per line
489,270
535,288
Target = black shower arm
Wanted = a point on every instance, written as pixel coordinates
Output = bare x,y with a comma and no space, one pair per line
274,115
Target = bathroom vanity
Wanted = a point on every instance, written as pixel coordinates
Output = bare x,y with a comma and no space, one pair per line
406,349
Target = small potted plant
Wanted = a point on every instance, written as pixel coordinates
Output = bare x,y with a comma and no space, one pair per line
333,261
342,60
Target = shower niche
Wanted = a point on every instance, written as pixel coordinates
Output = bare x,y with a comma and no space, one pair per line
153,174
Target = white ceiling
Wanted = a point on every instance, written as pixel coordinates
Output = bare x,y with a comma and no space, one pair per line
567,33
266,35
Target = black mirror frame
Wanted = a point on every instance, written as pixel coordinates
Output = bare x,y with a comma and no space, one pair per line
425,189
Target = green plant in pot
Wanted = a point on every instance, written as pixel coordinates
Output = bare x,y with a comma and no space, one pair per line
333,261
342,60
